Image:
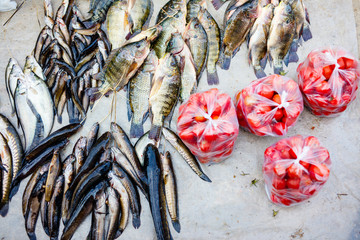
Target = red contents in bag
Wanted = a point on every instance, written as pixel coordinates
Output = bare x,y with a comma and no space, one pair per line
295,169
328,80
269,106
208,125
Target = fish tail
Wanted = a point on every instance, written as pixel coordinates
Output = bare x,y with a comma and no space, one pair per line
278,70
155,132
294,46
136,221
259,73
226,62
59,119
204,177
136,130
263,62
31,235
293,57
14,189
118,233
217,3
306,33
4,209
212,78
176,225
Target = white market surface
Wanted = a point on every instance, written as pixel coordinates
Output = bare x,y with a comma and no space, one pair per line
229,207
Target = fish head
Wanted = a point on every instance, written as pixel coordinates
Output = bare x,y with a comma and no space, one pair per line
176,43
152,62
141,48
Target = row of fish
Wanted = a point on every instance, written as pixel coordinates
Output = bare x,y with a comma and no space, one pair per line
71,53
102,177
273,31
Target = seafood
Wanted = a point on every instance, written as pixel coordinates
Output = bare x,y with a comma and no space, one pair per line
185,62
6,175
139,91
168,176
258,40
140,15
213,34
282,32
237,28
164,93
196,38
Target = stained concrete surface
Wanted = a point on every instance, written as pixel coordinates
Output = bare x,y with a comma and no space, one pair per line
229,207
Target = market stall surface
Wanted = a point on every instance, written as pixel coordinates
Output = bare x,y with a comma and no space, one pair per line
230,207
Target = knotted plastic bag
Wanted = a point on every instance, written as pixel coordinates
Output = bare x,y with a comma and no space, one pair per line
328,80
208,125
295,169
269,106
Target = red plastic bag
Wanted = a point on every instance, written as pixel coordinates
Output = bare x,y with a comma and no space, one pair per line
208,125
269,106
328,80
295,169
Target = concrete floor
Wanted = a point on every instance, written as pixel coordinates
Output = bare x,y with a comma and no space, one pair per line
230,207
356,6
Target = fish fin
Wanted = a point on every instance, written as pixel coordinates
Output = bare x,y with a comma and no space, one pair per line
93,93
129,111
155,132
118,233
212,78
226,62
136,221
39,130
286,59
14,189
32,235
294,45
136,130
205,178
306,33
263,62
4,209
59,119
217,4
293,57
278,70
145,116
176,225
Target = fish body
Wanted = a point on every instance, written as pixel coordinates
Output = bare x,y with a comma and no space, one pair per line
140,14
69,174
213,33
54,171
185,63
80,153
139,91
99,217
114,213
169,179
282,32
82,210
12,73
170,24
100,9
116,184
54,211
185,152
13,140
92,136
125,146
7,177
133,193
155,188
122,64
193,8
237,28
258,40
117,23
196,38
171,8
164,93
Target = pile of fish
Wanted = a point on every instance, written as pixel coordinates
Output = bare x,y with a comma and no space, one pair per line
71,54
30,99
273,30
101,176
11,152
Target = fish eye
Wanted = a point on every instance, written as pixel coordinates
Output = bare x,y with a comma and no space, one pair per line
138,45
